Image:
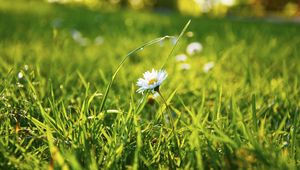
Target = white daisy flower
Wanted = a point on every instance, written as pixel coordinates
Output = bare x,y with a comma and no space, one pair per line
151,80
20,75
185,66
26,67
193,48
77,36
208,66
181,57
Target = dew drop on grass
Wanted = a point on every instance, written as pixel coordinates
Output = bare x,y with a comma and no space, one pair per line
161,43
173,40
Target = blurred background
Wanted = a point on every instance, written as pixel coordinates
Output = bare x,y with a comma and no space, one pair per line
256,8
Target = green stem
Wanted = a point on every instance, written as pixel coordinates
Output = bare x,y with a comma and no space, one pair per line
176,43
169,110
172,122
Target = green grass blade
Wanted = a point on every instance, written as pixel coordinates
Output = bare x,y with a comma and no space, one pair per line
179,37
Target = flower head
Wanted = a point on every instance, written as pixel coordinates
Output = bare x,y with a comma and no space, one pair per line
20,75
193,48
151,80
26,67
181,57
208,66
185,66
77,37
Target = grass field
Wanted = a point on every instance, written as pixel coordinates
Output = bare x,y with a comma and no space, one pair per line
56,62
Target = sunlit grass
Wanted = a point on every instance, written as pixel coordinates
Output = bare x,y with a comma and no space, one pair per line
242,113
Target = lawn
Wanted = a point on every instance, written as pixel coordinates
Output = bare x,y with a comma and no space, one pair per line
56,62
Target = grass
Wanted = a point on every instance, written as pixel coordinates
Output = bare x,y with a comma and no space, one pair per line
243,114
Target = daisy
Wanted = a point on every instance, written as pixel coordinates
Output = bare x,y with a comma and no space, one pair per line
76,34
185,66
20,75
181,57
26,67
151,80
77,37
193,48
208,66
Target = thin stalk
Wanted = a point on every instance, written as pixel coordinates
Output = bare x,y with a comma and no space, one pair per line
141,103
169,110
172,121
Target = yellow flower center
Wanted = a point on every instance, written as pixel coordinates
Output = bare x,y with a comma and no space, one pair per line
152,81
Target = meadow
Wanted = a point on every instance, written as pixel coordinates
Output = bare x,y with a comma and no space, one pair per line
56,62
